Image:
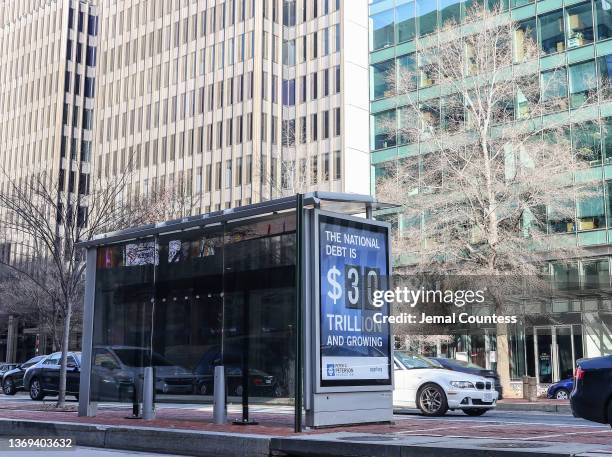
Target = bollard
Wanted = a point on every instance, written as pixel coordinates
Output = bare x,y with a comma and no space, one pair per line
219,405
148,390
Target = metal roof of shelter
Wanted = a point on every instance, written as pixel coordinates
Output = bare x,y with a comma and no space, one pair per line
330,201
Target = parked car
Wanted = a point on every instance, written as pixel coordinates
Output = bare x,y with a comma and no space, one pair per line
116,367
4,367
472,368
591,398
12,380
42,379
561,390
261,383
423,384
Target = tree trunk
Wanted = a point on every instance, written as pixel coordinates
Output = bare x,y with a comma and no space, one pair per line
61,398
503,357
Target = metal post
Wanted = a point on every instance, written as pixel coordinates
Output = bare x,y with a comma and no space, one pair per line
219,404
87,408
148,389
246,314
299,255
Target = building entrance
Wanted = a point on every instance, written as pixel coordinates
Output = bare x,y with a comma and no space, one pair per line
555,351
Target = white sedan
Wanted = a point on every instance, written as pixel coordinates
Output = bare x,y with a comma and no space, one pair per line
423,384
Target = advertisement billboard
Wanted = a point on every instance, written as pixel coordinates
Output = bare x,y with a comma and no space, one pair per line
355,349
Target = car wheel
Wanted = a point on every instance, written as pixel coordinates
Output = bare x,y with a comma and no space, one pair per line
610,412
562,394
203,389
431,400
8,387
238,391
36,392
474,411
77,397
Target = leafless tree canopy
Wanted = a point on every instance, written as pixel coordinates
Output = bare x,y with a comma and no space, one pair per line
47,223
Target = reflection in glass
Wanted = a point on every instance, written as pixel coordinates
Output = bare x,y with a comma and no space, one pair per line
603,10
427,16
381,30
380,84
383,132
583,83
404,17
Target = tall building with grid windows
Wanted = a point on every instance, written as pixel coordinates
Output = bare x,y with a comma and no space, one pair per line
233,102
47,84
222,102
575,48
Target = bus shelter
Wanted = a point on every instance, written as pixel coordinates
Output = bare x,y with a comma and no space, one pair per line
239,288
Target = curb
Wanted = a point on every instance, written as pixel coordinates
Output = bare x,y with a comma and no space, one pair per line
545,408
185,442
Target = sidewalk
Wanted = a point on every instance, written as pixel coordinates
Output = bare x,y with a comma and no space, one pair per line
190,431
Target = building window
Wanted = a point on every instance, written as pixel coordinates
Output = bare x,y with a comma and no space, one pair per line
582,83
579,25
313,127
554,89
325,124
381,30
326,167
383,135
591,214
586,141
218,176
427,14
337,165
337,120
552,38
603,9
289,52
380,84
404,16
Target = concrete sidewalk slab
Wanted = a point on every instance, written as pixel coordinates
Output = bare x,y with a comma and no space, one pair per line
347,444
315,444
151,439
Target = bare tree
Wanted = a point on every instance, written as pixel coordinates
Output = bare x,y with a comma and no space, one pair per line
495,169
37,213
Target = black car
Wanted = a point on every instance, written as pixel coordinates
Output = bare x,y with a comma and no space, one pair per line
12,380
43,378
471,368
591,398
4,367
261,383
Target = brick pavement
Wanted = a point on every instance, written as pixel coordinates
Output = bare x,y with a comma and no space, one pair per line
280,424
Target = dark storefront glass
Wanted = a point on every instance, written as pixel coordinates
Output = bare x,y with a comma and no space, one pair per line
188,301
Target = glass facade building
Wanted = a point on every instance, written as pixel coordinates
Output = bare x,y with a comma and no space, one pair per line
575,62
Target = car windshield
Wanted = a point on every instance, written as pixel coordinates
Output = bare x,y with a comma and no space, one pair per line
463,364
412,361
136,357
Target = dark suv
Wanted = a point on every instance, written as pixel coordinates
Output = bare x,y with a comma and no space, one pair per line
43,378
591,398
12,380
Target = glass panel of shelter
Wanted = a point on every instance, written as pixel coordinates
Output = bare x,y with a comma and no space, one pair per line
187,301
